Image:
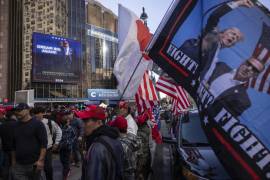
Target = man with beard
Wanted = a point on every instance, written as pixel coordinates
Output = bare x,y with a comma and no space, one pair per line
105,156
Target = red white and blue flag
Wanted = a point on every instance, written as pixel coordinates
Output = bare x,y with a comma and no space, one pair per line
146,96
180,98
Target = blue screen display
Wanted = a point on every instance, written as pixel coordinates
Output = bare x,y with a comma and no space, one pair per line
55,59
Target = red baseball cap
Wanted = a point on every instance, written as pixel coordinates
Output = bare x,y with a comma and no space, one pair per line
2,111
142,118
97,113
121,123
123,105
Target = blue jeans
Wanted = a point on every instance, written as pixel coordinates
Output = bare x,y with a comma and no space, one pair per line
65,160
76,152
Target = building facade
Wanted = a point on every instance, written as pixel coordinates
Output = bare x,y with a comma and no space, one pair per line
48,17
76,20
101,46
76,30
56,17
4,19
10,48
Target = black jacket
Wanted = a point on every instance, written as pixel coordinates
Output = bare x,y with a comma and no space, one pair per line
102,162
234,99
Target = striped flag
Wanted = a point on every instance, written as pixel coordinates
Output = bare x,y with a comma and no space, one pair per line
146,96
146,89
262,53
180,98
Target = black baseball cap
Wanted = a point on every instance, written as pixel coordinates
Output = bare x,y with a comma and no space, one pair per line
21,106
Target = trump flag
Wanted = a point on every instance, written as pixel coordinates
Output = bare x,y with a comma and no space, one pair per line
218,51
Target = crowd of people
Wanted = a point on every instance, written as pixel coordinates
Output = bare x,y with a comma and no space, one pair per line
106,143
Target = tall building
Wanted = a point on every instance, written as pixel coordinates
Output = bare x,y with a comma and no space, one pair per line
4,4
101,45
76,20
76,30
48,17
10,47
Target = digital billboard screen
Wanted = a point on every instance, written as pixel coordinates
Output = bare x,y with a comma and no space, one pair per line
55,59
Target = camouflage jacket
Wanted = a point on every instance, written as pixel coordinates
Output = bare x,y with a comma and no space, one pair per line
131,145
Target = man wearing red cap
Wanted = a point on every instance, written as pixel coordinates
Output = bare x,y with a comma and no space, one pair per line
105,156
144,159
130,145
125,111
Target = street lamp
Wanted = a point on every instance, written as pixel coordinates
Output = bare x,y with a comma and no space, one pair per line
144,17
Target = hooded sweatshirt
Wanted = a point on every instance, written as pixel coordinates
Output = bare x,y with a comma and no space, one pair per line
105,156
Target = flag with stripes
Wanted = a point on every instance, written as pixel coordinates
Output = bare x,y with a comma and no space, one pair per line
147,89
179,95
146,96
262,53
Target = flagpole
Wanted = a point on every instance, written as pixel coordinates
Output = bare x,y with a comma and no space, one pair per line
122,95
146,52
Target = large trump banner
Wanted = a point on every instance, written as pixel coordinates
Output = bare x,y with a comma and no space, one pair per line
55,59
219,51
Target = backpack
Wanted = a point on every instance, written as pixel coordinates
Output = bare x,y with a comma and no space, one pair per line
119,165
51,130
50,126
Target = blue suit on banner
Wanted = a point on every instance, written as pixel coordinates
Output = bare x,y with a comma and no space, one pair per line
205,49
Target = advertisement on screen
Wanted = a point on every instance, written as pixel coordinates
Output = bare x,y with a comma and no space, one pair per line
219,51
55,59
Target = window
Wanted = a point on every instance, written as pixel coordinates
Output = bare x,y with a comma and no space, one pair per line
192,132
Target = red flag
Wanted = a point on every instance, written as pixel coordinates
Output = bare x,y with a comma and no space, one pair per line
133,38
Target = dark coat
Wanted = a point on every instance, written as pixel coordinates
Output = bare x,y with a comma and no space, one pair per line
101,163
234,99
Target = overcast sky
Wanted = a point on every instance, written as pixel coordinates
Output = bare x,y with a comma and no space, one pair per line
154,8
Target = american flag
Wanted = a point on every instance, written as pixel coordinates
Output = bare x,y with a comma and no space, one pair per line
180,98
262,53
146,96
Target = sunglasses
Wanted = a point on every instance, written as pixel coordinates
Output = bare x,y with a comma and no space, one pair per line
253,68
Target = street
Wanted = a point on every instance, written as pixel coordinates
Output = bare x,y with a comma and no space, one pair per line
57,168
